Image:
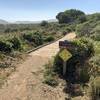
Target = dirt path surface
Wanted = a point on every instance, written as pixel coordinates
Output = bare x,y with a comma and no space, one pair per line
26,82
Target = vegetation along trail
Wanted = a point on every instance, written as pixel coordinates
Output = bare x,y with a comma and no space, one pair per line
26,82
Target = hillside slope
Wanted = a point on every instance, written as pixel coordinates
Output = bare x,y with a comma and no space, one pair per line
3,21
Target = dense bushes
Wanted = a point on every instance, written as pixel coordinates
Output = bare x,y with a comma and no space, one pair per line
68,29
94,17
78,68
91,29
95,63
7,45
83,47
96,33
96,37
95,60
84,29
78,71
81,50
16,43
82,19
28,37
29,40
35,37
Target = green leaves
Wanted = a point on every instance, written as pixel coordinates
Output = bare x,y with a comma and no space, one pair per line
34,37
5,46
71,16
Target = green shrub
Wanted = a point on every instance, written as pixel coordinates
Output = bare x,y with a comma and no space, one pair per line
49,75
96,29
67,30
58,65
94,17
16,43
95,60
81,51
49,39
96,37
96,47
72,27
76,71
84,75
95,63
35,37
84,29
50,80
95,89
96,33
83,47
82,19
5,46
28,37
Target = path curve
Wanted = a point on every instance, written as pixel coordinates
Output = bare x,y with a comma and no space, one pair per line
26,82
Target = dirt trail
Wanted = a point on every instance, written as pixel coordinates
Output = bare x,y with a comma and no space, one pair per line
26,82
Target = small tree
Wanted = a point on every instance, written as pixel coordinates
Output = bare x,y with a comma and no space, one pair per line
69,16
44,23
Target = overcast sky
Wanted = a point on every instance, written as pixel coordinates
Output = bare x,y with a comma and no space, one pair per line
35,10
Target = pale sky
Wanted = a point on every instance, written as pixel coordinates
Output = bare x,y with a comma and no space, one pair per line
35,10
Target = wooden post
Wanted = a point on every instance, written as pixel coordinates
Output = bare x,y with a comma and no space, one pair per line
64,68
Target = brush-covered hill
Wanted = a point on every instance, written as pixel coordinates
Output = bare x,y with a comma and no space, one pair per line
3,21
